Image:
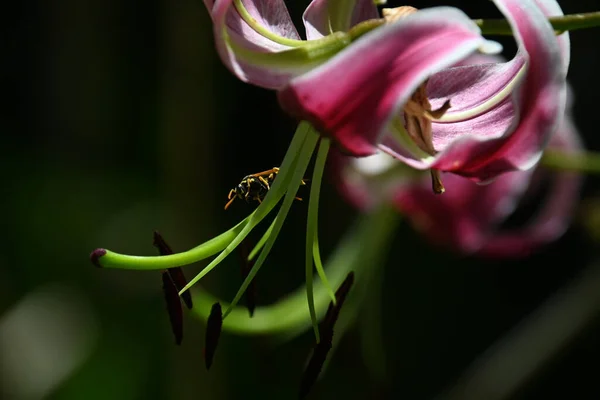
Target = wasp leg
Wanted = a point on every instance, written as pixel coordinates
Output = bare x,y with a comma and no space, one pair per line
298,198
229,202
264,181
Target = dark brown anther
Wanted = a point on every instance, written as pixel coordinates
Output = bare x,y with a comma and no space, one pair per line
176,273
173,307
246,268
180,282
333,311
213,332
436,182
315,364
161,244
320,351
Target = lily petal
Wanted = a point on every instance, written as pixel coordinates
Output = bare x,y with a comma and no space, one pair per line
250,55
506,140
555,214
355,94
463,218
468,218
323,17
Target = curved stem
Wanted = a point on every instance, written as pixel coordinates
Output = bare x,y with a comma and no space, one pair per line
569,22
290,315
584,162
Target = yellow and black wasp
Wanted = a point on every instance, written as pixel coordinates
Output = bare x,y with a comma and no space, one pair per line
255,187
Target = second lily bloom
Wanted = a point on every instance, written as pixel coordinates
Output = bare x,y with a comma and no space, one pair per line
471,217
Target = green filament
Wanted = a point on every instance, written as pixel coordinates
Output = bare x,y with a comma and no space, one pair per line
367,240
298,173
311,233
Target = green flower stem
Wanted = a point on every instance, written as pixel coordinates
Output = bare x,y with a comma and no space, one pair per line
290,316
584,162
303,160
273,197
205,250
569,22
312,225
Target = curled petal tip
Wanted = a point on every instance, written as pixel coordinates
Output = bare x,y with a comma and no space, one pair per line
95,257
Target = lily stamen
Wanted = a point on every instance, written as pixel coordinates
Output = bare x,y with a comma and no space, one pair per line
418,116
436,181
393,14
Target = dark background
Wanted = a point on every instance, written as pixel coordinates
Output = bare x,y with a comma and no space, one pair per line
118,118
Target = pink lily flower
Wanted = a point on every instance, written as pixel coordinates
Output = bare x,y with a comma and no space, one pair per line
469,217
401,89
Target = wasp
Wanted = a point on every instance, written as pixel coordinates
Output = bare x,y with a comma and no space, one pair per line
255,187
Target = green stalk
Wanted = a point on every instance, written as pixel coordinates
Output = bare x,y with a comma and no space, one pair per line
584,162
569,22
